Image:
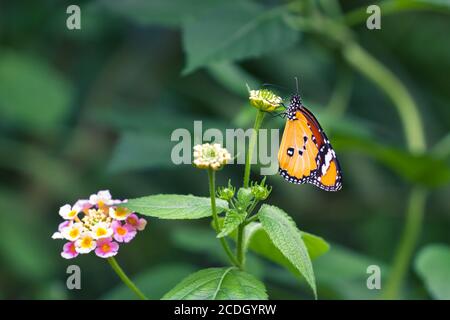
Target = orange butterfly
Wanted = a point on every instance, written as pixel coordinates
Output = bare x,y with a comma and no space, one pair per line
305,154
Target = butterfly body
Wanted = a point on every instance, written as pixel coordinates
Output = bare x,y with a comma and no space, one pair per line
305,154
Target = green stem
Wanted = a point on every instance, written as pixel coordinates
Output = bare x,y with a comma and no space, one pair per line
130,284
254,137
411,232
408,111
388,7
248,163
252,207
415,137
340,98
212,194
240,245
251,219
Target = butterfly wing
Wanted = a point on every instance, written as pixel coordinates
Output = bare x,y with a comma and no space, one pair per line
306,155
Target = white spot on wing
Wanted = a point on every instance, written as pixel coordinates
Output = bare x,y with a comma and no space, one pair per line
328,158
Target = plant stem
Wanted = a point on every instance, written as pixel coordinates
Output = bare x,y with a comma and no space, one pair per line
130,284
240,245
415,137
251,219
212,194
407,109
251,146
340,98
411,232
389,7
248,163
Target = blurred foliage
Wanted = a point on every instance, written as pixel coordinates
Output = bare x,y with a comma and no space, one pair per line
433,266
93,109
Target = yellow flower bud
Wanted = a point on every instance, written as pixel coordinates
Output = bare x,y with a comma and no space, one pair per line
264,99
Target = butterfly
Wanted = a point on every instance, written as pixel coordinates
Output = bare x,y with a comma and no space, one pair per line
305,154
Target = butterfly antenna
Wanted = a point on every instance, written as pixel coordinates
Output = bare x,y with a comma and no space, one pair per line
296,84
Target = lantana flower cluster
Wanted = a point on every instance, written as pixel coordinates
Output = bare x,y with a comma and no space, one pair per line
97,224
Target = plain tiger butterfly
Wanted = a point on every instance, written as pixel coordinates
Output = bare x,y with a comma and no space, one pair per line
306,154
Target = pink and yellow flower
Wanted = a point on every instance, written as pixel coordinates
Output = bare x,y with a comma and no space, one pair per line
106,248
102,230
69,212
62,225
123,233
85,243
73,231
84,205
138,223
102,198
119,213
69,251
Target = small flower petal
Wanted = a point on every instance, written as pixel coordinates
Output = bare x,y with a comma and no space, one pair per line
85,243
123,233
68,212
72,232
69,251
106,248
119,213
136,222
57,235
102,230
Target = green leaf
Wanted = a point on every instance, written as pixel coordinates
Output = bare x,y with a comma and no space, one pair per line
432,264
173,206
218,284
258,241
412,167
235,31
33,95
232,220
159,12
288,239
153,282
316,245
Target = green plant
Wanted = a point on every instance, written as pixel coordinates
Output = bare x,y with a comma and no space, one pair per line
268,231
90,107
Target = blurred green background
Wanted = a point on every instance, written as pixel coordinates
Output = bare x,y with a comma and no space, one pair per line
91,109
